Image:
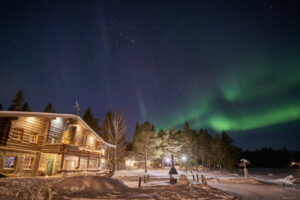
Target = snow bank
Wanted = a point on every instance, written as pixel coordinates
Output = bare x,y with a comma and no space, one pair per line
89,186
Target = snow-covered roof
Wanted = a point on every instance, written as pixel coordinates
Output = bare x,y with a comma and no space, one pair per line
52,115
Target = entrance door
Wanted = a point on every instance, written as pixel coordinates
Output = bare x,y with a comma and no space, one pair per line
49,167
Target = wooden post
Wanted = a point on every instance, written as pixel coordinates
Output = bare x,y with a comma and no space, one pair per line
194,177
140,181
198,178
204,181
145,179
148,177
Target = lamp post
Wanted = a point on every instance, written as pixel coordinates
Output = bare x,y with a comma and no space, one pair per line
184,159
167,161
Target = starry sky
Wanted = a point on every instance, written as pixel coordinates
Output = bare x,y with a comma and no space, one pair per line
229,66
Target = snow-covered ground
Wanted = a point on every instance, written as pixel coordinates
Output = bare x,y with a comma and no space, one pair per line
97,187
257,187
124,185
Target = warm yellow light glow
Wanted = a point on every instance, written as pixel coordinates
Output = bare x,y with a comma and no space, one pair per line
73,165
102,160
103,152
65,137
91,140
30,119
127,162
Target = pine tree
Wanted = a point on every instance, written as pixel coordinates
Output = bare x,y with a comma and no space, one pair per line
189,142
204,141
171,143
49,108
231,153
146,143
17,102
88,117
26,107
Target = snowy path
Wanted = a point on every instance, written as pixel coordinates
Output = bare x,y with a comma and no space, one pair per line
259,192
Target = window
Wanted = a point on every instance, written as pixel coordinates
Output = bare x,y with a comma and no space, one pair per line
34,137
28,162
103,152
10,162
17,133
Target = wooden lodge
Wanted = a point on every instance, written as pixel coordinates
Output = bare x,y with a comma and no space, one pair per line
33,144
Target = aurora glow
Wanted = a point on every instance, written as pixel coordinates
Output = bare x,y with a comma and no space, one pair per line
242,89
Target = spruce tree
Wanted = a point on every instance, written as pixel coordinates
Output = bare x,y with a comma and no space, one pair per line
145,143
88,117
26,107
49,108
17,102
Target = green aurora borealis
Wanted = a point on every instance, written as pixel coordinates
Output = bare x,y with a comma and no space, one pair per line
252,97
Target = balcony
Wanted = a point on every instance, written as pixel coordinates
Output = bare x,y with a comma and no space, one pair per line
70,148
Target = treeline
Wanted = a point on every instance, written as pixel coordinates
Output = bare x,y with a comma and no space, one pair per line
270,158
19,104
189,146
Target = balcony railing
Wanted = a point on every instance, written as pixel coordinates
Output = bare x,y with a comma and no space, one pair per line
60,148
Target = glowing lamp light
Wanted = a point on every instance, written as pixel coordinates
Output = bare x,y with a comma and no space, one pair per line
168,160
183,158
91,139
30,119
102,160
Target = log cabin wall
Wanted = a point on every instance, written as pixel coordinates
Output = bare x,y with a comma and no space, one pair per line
5,124
56,129
31,130
79,136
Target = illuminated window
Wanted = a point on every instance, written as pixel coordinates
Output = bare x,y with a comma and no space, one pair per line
10,162
103,152
33,137
28,162
17,133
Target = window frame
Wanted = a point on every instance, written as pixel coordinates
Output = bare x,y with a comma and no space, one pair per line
30,163
32,136
20,133
14,162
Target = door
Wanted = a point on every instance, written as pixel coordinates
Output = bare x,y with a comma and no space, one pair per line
49,167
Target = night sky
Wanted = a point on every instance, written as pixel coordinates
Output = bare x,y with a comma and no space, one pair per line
220,65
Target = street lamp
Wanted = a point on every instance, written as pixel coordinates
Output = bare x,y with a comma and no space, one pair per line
184,158
167,161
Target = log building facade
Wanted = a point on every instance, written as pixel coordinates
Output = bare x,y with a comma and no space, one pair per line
33,143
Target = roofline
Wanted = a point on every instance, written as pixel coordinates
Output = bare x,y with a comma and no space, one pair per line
52,115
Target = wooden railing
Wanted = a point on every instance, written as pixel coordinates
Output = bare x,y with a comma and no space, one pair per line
59,148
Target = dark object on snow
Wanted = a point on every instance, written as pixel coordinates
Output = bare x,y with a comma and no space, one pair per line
204,181
198,178
140,181
173,180
173,171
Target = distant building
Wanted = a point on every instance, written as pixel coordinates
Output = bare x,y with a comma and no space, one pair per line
33,143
